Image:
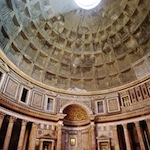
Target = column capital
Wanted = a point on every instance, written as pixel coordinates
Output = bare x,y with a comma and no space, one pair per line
24,122
60,125
12,119
148,120
124,125
114,127
34,123
137,123
92,123
2,115
92,117
53,127
61,116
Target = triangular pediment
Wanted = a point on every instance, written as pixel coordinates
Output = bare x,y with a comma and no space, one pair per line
103,137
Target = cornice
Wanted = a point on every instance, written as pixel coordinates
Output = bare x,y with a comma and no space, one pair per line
56,117
123,116
27,111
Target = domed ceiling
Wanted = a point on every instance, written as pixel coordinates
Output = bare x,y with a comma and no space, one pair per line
59,44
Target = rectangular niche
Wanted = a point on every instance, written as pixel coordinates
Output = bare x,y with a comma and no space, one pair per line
11,88
103,143
113,105
49,105
37,99
24,95
100,106
47,144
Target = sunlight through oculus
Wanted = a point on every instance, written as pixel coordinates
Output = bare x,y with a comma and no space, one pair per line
87,4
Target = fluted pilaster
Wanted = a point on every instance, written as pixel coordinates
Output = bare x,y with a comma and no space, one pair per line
59,135
116,140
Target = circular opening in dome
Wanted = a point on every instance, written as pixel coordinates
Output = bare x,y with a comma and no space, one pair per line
87,4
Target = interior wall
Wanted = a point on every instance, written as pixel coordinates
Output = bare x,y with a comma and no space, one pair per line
81,136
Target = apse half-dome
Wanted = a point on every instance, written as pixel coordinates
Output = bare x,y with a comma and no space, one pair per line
75,113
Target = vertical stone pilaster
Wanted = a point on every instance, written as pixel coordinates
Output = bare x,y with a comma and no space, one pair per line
92,134
8,133
2,115
140,137
79,140
127,139
116,140
32,140
22,135
59,135
148,125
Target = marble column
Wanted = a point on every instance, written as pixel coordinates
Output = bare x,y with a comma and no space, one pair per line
25,139
41,145
22,135
140,136
148,125
32,139
8,133
127,138
93,139
59,135
116,140
2,115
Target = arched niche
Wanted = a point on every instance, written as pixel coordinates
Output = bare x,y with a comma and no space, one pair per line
76,115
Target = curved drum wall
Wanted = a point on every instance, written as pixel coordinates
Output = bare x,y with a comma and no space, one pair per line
112,114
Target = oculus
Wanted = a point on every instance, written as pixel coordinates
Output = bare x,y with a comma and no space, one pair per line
87,4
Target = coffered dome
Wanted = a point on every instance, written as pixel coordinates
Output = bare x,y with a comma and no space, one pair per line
61,45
